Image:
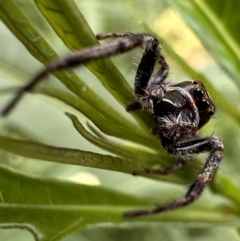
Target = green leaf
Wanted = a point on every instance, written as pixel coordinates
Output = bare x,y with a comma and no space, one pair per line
217,25
58,208
67,155
114,147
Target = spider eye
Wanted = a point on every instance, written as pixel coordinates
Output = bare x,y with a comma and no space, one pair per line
211,112
195,82
204,104
199,93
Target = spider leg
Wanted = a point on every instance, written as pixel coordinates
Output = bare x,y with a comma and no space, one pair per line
181,151
125,43
212,144
151,56
144,80
162,74
102,36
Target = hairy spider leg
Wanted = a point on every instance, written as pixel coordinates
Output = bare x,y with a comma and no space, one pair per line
127,42
213,145
102,36
151,55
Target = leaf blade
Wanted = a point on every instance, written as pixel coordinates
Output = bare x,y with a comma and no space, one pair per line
220,36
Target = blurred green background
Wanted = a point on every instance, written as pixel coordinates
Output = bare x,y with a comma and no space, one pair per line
42,119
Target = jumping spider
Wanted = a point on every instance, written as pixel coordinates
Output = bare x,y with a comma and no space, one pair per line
179,110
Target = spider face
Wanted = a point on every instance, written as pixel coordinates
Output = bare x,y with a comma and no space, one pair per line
179,110
201,98
173,107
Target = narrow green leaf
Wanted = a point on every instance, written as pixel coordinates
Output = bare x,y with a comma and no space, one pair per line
217,25
94,140
123,150
227,188
66,155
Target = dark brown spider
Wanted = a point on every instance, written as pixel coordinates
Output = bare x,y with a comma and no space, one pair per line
179,110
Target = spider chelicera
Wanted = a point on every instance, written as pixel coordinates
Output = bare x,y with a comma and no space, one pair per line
179,110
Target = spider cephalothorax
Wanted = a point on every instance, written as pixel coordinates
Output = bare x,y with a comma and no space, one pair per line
173,114
179,110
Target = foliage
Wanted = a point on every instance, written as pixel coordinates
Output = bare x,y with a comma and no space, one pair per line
35,199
